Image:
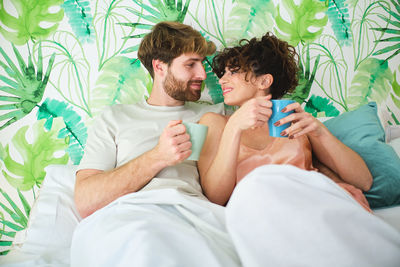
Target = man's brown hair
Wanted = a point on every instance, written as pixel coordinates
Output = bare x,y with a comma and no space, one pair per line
168,40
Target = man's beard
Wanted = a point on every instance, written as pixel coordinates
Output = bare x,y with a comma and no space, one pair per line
180,90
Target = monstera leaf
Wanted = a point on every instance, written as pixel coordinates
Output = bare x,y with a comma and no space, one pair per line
321,107
75,130
302,17
25,87
249,19
80,19
26,25
372,81
36,155
122,81
338,14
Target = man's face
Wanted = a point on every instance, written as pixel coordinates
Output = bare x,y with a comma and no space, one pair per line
184,78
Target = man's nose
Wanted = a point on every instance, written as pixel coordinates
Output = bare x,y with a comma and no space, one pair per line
201,73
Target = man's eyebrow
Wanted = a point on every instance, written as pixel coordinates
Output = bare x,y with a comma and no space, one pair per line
195,59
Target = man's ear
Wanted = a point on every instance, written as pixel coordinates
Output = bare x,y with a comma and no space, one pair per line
266,81
160,68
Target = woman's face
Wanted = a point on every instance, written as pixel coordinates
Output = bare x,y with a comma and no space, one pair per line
235,89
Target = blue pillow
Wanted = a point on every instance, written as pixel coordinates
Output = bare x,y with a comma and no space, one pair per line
362,131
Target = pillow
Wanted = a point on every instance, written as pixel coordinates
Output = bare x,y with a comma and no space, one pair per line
362,131
392,132
52,221
395,143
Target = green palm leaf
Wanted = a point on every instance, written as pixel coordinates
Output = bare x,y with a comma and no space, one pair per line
75,130
212,84
321,107
80,19
122,81
249,19
395,21
306,80
395,95
166,10
338,14
24,89
302,17
372,81
36,155
19,218
27,25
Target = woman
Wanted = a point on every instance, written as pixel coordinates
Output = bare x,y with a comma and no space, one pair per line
250,75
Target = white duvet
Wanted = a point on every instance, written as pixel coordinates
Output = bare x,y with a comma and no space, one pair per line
254,229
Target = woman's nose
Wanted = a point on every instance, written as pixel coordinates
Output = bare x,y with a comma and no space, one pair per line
222,79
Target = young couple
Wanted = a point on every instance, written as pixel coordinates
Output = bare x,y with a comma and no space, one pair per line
143,204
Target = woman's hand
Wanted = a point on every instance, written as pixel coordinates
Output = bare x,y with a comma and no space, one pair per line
253,113
302,123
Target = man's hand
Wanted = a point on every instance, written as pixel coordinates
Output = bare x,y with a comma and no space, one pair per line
174,144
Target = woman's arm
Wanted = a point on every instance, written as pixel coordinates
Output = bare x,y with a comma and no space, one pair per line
328,149
217,163
350,167
218,159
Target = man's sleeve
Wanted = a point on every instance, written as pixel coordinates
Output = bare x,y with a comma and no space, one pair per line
100,149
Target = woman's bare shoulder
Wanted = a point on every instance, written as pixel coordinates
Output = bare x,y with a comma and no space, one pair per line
214,119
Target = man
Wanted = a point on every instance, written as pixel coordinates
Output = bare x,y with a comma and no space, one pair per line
142,200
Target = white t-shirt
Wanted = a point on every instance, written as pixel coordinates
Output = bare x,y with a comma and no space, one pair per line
124,132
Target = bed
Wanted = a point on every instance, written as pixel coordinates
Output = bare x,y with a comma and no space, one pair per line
47,239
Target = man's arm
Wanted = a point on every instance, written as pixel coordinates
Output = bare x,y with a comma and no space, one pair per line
95,189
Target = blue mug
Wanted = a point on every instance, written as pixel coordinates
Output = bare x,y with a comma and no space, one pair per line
277,114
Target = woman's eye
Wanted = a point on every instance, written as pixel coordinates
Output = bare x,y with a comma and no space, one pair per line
233,72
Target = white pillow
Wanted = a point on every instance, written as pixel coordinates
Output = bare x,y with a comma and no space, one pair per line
395,143
52,220
392,132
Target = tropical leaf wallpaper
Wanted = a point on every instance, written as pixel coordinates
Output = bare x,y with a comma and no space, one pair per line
62,62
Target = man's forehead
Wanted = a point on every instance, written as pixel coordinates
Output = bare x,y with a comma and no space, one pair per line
190,57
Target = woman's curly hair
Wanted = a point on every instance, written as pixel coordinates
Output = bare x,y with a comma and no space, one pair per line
268,55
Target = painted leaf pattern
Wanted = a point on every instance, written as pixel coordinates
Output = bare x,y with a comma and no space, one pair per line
75,130
36,155
27,25
302,17
372,81
347,51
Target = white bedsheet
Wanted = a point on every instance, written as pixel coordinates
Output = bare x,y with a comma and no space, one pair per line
53,219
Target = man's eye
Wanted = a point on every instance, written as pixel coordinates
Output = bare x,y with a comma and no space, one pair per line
190,65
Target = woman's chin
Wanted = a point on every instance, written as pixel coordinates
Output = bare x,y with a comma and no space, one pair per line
230,102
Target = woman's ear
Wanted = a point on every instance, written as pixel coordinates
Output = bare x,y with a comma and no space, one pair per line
266,81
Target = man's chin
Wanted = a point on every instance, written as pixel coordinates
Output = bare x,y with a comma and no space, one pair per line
193,95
